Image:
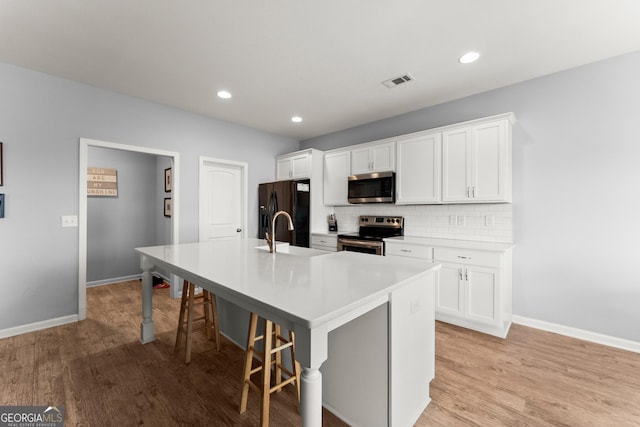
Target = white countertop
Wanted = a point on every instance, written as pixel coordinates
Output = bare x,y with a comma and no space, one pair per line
453,243
306,286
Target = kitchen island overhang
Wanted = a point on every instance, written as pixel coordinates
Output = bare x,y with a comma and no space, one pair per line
314,293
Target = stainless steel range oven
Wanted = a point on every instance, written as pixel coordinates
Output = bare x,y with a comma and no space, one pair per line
370,235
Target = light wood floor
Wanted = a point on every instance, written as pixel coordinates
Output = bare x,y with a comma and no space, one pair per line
103,375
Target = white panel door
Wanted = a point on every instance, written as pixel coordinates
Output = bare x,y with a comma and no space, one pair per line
382,157
448,292
455,168
283,169
489,151
337,168
418,172
300,166
360,161
222,200
482,294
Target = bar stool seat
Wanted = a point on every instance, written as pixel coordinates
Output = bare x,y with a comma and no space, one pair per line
208,319
273,343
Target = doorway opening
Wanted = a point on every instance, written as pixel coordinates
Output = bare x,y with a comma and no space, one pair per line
85,143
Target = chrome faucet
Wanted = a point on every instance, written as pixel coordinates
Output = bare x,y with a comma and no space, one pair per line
271,239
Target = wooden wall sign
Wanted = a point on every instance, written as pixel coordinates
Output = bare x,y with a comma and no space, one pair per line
102,182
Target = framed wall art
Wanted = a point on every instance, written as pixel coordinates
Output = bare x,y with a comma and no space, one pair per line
102,182
167,180
167,207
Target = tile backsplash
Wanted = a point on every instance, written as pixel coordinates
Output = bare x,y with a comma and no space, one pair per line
479,222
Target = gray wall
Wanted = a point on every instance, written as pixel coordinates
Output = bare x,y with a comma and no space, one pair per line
117,225
41,120
576,151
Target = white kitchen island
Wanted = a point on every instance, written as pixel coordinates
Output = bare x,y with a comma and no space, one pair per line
313,293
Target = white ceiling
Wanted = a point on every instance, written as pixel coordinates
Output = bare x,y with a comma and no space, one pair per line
321,59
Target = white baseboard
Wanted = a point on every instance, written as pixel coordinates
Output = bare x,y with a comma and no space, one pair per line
337,414
579,333
113,280
37,326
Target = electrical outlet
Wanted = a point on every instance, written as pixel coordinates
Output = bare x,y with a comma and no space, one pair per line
69,220
415,306
461,220
489,221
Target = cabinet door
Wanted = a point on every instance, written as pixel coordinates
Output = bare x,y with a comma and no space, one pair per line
283,169
300,166
449,290
360,161
382,157
489,166
337,168
455,165
482,295
418,172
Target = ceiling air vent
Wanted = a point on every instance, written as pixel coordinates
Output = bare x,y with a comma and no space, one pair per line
397,81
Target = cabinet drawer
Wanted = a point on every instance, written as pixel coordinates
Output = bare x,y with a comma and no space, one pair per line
466,256
410,251
329,241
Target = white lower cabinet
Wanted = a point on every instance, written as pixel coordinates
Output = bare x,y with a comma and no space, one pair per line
473,288
470,292
324,242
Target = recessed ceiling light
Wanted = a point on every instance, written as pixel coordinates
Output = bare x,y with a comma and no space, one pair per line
296,119
224,94
469,57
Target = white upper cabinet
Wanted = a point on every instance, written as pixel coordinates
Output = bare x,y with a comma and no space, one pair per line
337,168
476,163
293,166
418,176
455,165
373,158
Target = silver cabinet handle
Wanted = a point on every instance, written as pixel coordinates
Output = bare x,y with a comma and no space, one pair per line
463,257
467,192
460,272
405,250
474,191
466,274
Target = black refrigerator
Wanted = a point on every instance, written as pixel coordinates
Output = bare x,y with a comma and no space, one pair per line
291,196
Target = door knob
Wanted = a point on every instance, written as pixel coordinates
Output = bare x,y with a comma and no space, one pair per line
238,230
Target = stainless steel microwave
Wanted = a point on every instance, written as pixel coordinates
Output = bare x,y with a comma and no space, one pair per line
378,187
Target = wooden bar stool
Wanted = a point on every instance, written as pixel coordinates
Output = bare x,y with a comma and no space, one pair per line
209,317
270,357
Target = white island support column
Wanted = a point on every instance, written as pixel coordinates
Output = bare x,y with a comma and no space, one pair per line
311,397
311,352
146,326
